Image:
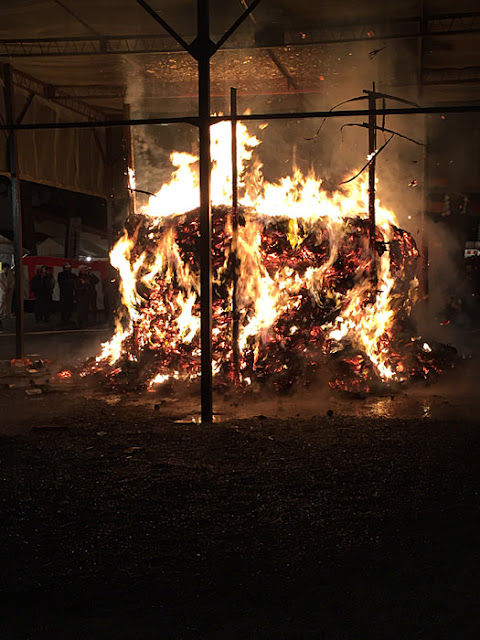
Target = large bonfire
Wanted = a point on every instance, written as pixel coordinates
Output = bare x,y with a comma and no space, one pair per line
303,271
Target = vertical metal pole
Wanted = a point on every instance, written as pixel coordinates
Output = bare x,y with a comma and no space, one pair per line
130,157
235,265
424,250
119,200
372,146
424,239
16,212
110,216
204,44
112,180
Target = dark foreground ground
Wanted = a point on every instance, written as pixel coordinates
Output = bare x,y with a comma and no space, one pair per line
127,525
119,521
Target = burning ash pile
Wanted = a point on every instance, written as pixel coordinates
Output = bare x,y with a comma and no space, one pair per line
302,267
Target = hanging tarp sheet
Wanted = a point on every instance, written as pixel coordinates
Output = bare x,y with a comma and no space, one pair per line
65,158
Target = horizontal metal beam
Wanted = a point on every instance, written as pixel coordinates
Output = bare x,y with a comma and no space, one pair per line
53,94
272,87
86,91
402,28
394,111
86,46
98,123
451,75
475,108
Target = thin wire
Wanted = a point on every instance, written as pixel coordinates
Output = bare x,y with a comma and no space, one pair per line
374,155
400,135
148,193
330,110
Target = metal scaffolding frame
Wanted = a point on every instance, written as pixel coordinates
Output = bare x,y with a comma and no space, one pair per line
445,24
54,94
451,24
411,27
12,78
262,117
63,92
202,49
12,150
451,75
417,27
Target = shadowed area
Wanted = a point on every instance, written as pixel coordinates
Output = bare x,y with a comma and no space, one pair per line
120,523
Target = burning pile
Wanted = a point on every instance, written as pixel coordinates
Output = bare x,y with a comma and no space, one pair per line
303,271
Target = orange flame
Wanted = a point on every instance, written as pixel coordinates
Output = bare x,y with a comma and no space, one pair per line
366,324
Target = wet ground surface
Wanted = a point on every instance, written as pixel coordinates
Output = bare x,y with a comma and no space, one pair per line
122,518
63,345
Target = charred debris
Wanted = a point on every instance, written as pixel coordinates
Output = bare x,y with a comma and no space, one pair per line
297,350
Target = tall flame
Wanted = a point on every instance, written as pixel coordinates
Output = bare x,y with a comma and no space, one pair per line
363,320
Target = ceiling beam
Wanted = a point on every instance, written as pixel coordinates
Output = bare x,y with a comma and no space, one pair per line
261,117
55,95
77,18
401,28
451,75
404,28
88,91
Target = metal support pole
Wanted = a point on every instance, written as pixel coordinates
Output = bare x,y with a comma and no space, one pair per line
424,240
110,218
202,49
236,24
130,159
16,212
299,115
118,201
203,58
235,265
372,147
164,24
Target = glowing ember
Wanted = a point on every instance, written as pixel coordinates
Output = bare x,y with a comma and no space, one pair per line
304,291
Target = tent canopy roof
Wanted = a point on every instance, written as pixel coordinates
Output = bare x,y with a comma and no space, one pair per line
103,80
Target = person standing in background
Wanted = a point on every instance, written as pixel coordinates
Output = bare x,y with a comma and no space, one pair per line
66,283
7,285
49,285
36,285
92,281
82,294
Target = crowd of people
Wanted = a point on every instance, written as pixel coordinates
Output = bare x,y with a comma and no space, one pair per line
77,293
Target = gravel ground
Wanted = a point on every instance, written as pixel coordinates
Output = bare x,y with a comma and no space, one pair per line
119,521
